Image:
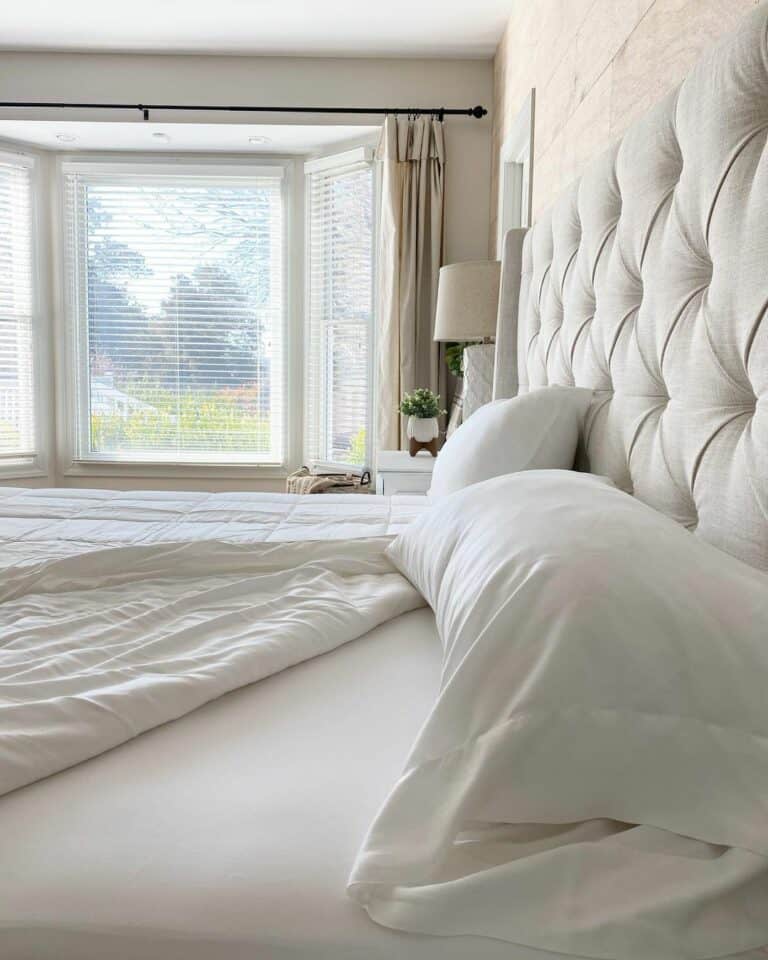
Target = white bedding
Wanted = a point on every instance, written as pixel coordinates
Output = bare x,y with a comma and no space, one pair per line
229,833
121,611
96,648
59,522
178,852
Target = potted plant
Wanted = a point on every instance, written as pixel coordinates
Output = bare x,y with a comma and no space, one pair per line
422,407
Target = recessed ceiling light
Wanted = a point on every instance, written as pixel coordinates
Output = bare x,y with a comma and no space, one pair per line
65,138
259,141
161,136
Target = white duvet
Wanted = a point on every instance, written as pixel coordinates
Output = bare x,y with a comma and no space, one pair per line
100,646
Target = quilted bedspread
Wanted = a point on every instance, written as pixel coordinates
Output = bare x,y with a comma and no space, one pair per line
45,523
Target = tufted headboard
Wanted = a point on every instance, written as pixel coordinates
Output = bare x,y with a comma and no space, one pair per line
648,282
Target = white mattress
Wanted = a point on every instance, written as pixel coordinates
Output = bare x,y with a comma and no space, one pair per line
196,842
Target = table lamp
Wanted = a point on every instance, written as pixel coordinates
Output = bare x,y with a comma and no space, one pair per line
467,304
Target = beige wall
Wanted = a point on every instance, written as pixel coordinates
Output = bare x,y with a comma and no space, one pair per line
157,78
596,65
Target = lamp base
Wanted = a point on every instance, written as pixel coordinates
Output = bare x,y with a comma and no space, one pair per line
478,376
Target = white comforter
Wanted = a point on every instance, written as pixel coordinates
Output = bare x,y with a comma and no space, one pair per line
56,522
120,610
99,646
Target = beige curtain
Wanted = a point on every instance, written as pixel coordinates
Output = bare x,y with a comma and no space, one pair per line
410,253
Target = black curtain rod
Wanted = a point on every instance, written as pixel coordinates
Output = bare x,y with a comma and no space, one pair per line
144,108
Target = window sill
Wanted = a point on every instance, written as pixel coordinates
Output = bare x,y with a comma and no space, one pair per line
167,471
22,472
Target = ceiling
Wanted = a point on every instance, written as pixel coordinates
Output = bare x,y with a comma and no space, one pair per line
183,137
401,28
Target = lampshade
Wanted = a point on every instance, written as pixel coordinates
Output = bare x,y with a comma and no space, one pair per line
467,300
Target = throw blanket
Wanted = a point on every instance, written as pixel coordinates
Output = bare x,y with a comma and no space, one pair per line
97,648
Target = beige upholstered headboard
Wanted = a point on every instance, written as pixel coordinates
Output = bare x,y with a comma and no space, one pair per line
648,282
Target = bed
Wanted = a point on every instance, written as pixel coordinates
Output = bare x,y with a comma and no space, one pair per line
231,831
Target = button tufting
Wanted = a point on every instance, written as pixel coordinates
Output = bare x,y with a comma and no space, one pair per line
701,458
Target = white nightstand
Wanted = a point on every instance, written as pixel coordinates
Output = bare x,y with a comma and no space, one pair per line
398,472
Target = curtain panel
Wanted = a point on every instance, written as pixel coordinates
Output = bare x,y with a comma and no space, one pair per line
410,253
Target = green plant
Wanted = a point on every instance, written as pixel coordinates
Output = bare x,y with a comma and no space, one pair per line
358,448
422,403
10,438
454,358
225,420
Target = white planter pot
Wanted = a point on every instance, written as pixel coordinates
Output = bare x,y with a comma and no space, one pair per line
422,429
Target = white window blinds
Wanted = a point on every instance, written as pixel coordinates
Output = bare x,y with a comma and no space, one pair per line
176,293
340,310
17,397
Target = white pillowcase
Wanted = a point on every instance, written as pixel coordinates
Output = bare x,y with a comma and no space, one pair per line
592,779
535,431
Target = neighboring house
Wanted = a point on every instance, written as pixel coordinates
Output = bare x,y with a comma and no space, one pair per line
108,401
9,400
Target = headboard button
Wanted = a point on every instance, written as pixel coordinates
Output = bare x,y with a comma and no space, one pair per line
706,266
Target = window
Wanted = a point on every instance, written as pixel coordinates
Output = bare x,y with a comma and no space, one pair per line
340,274
175,279
515,172
17,395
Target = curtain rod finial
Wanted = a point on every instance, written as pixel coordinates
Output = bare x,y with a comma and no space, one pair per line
478,112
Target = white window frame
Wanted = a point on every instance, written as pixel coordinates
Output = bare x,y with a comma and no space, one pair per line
360,154
69,464
516,172
37,465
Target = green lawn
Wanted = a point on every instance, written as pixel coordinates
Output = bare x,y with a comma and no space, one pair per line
219,420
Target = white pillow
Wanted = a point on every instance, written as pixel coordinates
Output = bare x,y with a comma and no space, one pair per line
593,776
535,431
